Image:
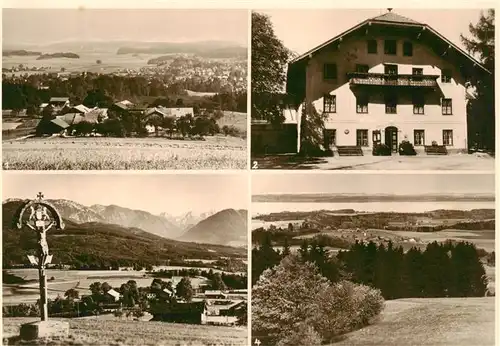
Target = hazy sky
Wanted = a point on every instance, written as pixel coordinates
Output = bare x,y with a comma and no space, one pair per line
173,25
301,30
411,184
172,193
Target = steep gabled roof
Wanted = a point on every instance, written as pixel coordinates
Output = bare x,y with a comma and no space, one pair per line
59,99
390,19
59,123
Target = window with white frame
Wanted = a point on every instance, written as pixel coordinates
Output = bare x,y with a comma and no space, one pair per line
362,104
330,104
418,137
446,106
418,104
362,138
448,137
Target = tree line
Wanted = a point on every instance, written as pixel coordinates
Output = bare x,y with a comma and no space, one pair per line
452,269
220,281
29,91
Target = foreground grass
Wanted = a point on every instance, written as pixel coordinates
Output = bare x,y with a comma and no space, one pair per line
430,321
116,153
114,332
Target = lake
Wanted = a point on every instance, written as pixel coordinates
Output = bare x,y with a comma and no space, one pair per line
401,207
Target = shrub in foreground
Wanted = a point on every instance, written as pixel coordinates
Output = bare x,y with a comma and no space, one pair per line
303,335
406,148
381,150
346,306
292,302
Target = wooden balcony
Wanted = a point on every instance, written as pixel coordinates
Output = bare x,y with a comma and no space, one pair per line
394,80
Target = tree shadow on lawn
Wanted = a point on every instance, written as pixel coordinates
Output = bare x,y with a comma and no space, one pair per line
286,161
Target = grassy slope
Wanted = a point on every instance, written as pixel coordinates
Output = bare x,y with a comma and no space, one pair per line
439,321
236,119
113,332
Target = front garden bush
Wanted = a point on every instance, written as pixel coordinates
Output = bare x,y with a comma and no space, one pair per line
381,150
406,148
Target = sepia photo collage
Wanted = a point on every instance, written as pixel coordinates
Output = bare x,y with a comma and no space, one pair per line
271,175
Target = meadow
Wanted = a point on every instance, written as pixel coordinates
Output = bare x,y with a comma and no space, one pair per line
80,280
103,331
56,153
430,321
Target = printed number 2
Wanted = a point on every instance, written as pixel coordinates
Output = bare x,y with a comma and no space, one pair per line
255,165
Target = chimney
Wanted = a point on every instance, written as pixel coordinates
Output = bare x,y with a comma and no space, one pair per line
389,9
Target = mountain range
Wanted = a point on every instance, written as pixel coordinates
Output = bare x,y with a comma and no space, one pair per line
95,244
226,227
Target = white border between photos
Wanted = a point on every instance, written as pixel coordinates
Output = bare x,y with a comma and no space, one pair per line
263,4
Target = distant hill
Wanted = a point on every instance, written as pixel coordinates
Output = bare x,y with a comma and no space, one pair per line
58,55
211,47
20,52
207,49
228,226
99,243
340,197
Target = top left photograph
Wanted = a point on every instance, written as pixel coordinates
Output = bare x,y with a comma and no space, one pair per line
124,89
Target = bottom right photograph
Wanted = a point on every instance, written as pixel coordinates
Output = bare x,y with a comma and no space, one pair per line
373,259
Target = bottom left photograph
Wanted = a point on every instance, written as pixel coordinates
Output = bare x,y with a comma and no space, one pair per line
125,259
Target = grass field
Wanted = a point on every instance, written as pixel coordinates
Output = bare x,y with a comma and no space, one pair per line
80,280
236,119
89,331
55,153
430,321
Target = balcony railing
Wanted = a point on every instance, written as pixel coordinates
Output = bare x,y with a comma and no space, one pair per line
383,79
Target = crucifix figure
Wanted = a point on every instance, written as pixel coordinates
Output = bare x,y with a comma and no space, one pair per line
42,217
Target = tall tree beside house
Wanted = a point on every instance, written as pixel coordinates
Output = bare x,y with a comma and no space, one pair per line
184,289
481,110
218,283
269,59
312,126
71,294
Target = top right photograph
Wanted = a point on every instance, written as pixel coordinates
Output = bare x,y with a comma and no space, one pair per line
388,89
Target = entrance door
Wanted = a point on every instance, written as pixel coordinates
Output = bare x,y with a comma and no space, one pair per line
391,138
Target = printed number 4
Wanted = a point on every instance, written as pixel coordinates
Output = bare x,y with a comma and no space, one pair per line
255,165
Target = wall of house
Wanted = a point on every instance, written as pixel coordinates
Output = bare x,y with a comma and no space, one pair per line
354,51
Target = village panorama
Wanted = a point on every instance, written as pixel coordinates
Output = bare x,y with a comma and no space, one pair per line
105,98
89,269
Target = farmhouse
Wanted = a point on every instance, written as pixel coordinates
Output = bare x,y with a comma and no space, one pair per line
113,294
194,312
386,80
179,112
59,102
